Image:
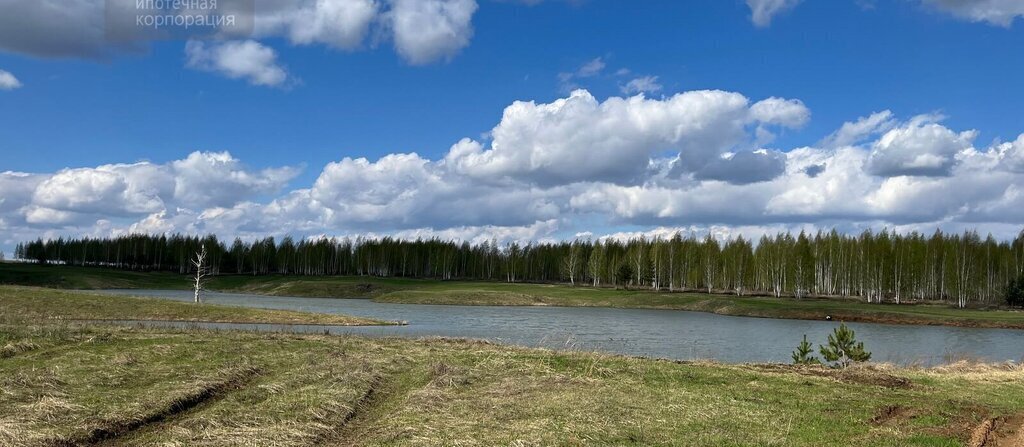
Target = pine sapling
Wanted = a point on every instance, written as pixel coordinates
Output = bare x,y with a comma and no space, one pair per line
804,354
843,349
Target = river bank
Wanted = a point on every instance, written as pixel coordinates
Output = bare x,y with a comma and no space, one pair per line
33,305
401,290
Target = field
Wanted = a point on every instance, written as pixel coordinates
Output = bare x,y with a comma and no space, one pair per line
399,290
119,386
31,305
66,382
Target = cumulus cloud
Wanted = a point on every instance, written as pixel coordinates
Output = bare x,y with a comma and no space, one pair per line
581,139
248,59
744,167
559,169
219,179
1010,155
995,12
921,147
429,30
8,81
790,113
763,11
79,196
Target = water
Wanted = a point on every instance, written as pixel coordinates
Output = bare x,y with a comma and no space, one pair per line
669,334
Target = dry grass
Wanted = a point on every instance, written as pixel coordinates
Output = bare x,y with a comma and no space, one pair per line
290,390
15,348
28,304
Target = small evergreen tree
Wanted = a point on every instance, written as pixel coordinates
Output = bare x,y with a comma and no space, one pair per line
1015,292
843,349
803,354
624,274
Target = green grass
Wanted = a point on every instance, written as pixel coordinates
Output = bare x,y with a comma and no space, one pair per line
401,290
30,305
178,387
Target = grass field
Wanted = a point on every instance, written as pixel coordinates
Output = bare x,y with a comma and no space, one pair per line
134,387
399,290
32,305
66,382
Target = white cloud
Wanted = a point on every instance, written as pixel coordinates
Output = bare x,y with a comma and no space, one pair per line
8,81
856,131
247,60
763,11
591,68
479,234
103,190
430,30
80,196
218,179
995,12
17,188
580,139
1011,155
790,113
645,84
921,147
341,24
559,169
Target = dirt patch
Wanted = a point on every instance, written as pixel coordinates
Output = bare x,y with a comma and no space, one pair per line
999,432
877,378
340,432
110,431
893,414
859,375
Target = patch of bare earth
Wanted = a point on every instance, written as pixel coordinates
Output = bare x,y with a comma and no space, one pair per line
893,414
999,432
110,431
863,375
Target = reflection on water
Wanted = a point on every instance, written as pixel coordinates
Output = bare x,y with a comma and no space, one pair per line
643,332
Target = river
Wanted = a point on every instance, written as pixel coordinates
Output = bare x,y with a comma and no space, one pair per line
671,334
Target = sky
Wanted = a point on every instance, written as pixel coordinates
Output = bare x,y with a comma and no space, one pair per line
514,119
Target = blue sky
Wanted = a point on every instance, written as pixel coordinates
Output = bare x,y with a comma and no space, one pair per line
842,60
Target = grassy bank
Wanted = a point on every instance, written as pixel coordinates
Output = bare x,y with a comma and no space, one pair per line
399,290
27,305
128,387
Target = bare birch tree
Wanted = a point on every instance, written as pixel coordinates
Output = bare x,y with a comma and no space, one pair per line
202,270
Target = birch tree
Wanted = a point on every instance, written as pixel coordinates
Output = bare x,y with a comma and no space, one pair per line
201,270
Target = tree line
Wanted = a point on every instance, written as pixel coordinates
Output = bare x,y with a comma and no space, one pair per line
962,269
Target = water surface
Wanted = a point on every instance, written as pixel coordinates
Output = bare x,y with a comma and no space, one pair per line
672,334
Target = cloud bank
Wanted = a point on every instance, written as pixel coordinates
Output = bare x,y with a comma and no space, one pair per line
692,160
